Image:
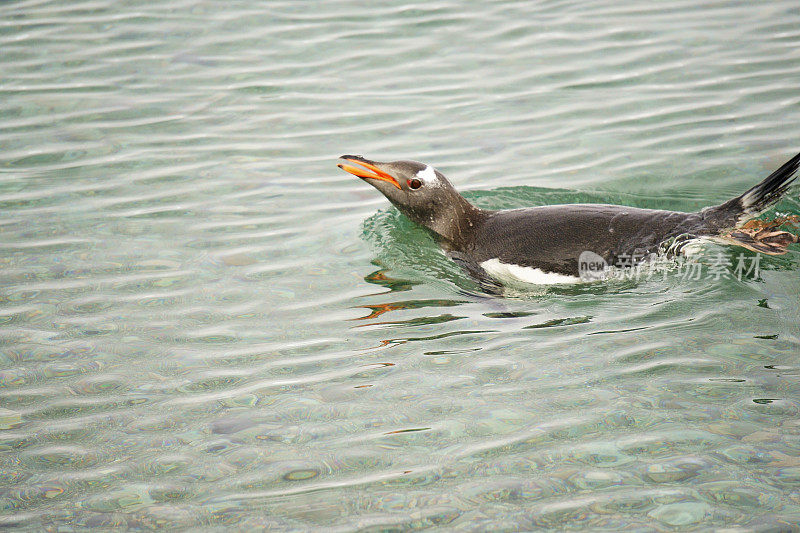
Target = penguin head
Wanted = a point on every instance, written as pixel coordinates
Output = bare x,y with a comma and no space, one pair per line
418,190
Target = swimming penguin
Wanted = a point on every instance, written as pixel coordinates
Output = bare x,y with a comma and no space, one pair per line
545,244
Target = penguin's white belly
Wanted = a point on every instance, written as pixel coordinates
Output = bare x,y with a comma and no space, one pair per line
508,273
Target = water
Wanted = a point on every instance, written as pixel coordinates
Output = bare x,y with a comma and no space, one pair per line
205,324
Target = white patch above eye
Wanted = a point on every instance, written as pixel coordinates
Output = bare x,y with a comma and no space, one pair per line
428,175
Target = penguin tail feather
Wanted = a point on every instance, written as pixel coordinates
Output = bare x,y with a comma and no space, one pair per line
764,195
758,235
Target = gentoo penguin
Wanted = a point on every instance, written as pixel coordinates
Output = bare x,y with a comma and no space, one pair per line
544,244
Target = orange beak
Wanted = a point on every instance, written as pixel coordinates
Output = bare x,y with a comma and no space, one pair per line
369,171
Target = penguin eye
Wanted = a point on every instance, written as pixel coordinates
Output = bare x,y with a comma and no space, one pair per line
414,184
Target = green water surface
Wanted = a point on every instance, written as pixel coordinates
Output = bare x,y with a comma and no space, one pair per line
205,325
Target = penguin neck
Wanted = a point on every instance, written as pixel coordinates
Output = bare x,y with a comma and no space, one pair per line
456,222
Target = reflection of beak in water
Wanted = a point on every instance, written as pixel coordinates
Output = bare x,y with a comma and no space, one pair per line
420,321
394,342
379,277
379,309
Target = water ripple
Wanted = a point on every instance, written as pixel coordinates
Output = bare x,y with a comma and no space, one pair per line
203,324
